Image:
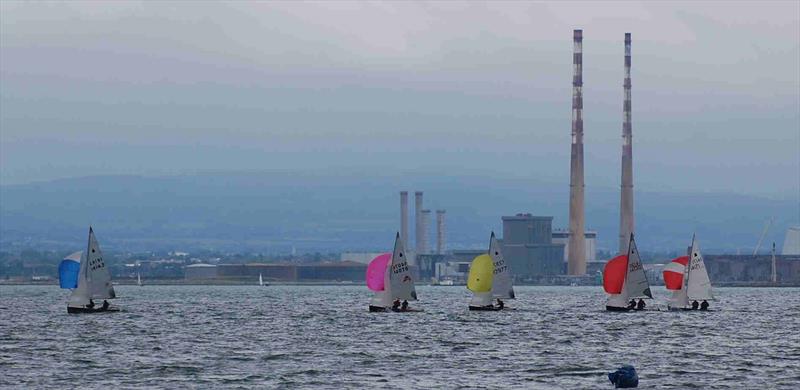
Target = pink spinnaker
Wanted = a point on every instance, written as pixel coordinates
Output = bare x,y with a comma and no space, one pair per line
376,271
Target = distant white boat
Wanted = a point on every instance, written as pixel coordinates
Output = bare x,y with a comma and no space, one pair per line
389,276
489,279
261,281
688,279
88,277
139,279
624,279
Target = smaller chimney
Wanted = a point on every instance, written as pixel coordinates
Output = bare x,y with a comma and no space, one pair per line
426,216
440,232
404,216
418,229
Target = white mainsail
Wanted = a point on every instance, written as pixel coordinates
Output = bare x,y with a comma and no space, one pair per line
260,280
401,284
96,271
94,280
138,279
636,282
698,285
502,286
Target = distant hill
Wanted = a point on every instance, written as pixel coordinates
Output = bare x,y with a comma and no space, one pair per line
271,212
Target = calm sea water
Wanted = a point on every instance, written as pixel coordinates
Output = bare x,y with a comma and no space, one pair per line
323,337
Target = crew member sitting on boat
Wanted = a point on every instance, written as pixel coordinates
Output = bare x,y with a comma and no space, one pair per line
694,305
404,306
632,304
641,304
396,305
500,304
704,305
90,305
105,304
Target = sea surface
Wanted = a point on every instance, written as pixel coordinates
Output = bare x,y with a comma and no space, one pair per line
323,337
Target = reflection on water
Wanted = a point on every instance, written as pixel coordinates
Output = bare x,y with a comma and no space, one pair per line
293,336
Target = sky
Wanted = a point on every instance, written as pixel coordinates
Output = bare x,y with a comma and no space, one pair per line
90,88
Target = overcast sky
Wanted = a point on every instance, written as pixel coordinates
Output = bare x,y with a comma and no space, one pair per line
454,88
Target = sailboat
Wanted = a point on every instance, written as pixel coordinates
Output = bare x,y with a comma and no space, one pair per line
489,278
688,279
261,281
389,276
624,279
139,279
86,274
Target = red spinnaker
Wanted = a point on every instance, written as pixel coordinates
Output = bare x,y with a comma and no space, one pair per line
673,273
614,274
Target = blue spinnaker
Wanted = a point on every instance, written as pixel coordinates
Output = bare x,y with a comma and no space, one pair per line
68,273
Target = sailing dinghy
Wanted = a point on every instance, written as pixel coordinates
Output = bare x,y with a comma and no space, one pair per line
139,279
261,281
489,278
687,278
86,274
624,279
389,276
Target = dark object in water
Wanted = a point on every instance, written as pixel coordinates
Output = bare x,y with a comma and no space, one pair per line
625,377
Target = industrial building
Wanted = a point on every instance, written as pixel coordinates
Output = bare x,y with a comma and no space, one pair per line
562,237
749,269
528,246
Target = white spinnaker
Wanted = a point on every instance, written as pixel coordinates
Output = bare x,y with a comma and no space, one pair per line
698,285
502,286
481,299
636,280
97,274
80,295
401,284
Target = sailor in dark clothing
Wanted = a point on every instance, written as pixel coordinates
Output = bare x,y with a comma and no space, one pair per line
404,307
500,304
396,305
632,304
694,305
641,304
90,305
105,304
704,305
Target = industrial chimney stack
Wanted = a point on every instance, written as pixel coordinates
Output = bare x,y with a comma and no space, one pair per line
418,228
404,216
626,186
440,232
576,261
426,217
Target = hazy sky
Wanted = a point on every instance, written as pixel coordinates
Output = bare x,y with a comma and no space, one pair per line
457,88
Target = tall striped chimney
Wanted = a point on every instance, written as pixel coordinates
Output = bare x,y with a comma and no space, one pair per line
404,216
576,259
418,228
626,186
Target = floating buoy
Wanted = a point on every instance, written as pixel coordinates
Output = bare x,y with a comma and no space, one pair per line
624,378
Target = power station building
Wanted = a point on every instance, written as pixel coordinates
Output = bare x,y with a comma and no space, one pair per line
528,246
